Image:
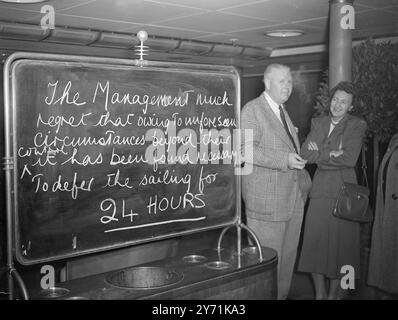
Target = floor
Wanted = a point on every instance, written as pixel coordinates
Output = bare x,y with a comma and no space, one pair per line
302,289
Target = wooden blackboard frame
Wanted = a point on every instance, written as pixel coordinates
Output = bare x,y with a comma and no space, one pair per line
11,145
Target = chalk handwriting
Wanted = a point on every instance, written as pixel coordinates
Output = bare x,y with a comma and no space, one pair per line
109,204
114,180
109,139
166,178
105,119
122,159
159,223
64,96
87,159
130,98
160,204
102,139
25,169
212,100
61,184
59,121
209,178
49,160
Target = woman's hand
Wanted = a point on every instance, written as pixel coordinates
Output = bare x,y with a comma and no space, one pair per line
336,153
312,146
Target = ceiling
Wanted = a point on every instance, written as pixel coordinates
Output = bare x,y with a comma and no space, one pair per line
196,27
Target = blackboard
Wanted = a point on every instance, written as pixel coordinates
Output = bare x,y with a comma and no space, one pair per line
109,154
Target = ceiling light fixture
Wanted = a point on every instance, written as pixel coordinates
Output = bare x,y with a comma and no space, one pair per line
234,41
284,33
23,1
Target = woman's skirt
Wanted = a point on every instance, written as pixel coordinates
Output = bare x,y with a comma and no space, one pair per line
329,243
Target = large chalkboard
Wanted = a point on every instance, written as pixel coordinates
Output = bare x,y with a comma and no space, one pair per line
109,154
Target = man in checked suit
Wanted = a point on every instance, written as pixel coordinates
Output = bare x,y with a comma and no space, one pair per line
276,190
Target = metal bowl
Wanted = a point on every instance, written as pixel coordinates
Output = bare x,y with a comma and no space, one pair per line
194,258
144,277
250,250
53,293
76,298
218,249
218,265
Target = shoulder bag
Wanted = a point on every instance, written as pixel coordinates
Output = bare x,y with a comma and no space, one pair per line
353,199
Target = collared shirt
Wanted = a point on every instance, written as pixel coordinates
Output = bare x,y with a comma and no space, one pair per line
275,108
331,128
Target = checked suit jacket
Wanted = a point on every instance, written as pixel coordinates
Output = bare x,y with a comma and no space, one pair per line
272,189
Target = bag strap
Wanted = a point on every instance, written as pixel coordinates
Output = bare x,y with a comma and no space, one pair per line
341,147
364,167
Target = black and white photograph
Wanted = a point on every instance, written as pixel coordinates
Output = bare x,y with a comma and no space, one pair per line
200,155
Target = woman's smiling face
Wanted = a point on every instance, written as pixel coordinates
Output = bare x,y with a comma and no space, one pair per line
340,104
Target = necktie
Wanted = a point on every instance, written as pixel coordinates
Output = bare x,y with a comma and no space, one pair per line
286,127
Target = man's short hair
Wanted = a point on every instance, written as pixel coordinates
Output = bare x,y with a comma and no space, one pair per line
345,86
274,66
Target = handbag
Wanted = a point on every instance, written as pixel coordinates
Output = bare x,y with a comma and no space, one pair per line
353,199
352,203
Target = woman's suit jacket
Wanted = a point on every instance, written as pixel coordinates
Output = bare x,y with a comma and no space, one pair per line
271,190
331,171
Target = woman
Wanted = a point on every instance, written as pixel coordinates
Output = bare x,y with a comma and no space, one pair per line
334,144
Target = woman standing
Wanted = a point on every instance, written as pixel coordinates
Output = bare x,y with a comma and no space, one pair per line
334,144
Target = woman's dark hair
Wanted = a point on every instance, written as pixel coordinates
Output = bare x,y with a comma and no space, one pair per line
343,86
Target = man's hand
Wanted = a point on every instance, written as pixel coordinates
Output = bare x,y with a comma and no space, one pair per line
336,153
312,146
296,162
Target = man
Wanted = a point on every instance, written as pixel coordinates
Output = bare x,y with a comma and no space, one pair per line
275,191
